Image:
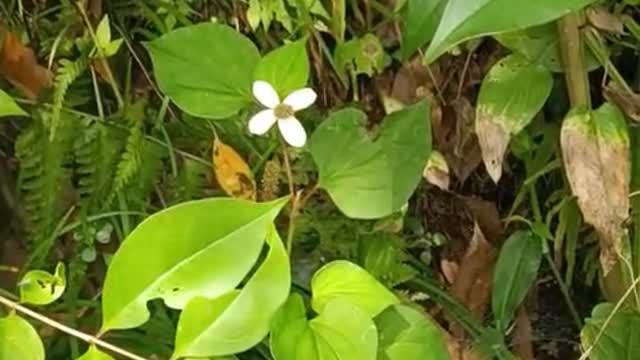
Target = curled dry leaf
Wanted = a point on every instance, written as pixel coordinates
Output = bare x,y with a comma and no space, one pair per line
512,93
595,148
523,336
628,102
437,171
19,66
603,19
232,172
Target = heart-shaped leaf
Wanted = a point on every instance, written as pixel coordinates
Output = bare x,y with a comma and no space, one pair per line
206,69
512,93
595,150
198,248
286,68
19,340
620,339
8,106
406,334
41,288
515,272
420,22
236,321
93,353
347,281
372,179
467,19
328,336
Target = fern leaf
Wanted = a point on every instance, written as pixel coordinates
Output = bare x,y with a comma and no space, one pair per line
66,74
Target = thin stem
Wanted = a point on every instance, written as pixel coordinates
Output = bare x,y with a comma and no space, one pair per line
287,166
295,198
572,51
90,339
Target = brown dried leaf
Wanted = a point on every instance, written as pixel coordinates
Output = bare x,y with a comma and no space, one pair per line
628,102
19,66
437,171
595,148
522,336
603,19
493,140
455,137
232,172
459,350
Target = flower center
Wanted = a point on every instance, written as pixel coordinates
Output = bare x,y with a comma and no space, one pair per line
283,111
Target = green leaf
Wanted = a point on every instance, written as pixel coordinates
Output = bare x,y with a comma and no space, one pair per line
112,47
198,248
360,56
8,106
328,336
236,321
467,19
406,334
206,69
347,281
619,340
286,68
19,340
39,287
103,33
420,22
93,353
372,179
515,272
512,93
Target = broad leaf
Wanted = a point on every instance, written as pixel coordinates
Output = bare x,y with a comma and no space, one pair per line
421,19
19,340
286,68
8,106
512,93
467,19
206,69
595,149
198,248
360,56
346,281
236,321
407,334
372,179
41,288
93,353
328,336
620,339
515,272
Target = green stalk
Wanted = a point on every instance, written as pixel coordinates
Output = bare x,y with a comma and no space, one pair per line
572,52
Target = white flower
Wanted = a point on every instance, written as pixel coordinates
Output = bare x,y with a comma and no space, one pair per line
281,112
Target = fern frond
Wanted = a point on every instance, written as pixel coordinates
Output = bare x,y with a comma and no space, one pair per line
190,182
67,72
148,174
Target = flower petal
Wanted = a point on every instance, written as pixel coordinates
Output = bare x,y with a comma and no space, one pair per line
301,99
265,94
292,131
261,122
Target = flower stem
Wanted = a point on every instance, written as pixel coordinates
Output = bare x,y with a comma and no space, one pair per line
73,332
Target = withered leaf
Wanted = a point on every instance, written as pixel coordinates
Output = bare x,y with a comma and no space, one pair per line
437,171
628,102
595,148
603,19
19,66
232,172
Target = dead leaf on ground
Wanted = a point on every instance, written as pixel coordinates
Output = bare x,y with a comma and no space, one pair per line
459,350
595,149
232,172
436,172
523,336
20,67
628,102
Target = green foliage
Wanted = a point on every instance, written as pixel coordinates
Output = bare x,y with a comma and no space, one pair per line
201,82
8,106
360,56
41,288
515,273
420,21
286,68
67,72
371,179
19,340
618,340
94,354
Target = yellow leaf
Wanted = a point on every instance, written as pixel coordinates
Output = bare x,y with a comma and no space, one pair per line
232,172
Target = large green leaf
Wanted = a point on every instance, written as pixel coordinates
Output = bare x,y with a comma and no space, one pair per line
206,69
372,179
421,19
512,93
515,272
347,281
620,339
467,19
198,248
407,334
341,332
41,288
236,321
19,340
8,106
93,353
286,68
